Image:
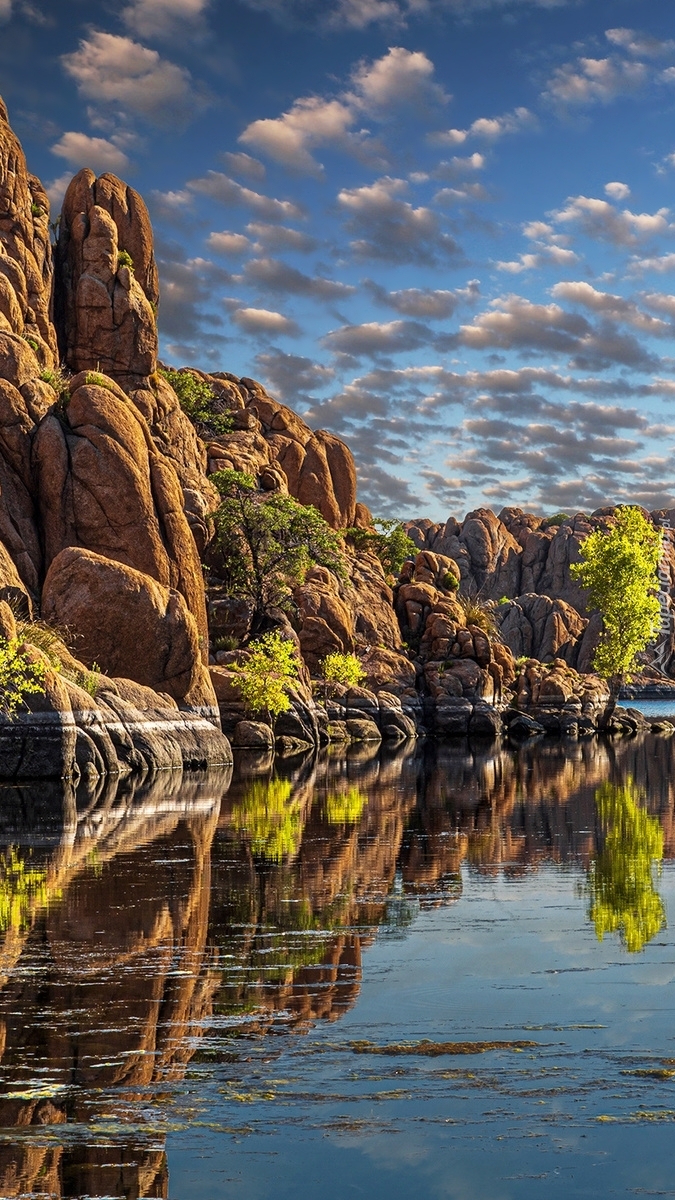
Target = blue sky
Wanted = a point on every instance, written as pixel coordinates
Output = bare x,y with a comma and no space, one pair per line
442,229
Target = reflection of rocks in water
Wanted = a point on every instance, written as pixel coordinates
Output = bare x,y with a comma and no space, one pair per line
109,977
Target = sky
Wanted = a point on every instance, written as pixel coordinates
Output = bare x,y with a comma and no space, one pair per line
441,229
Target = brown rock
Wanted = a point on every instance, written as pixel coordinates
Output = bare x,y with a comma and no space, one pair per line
128,624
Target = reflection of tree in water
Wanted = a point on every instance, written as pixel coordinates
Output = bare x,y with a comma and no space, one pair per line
272,821
621,883
345,808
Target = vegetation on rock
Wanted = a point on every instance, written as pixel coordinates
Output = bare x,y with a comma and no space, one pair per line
266,543
196,399
388,540
264,679
19,677
619,570
342,668
621,884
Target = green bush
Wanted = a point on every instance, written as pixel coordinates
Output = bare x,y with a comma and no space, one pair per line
18,678
342,668
265,678
196,399
388,540
479,613
58,380
124,259
450,581
96,379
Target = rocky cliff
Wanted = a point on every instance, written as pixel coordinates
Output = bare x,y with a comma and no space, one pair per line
106,504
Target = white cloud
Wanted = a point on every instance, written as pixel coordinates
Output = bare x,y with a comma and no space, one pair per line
57,189
112,70
227,191
600,219
376,337
591,80
617,191
426,303
161,18
642,45
399,79
660,263
490,128
279,237
228,243
98,153
358,14
264,321
269,274
548,248
615,307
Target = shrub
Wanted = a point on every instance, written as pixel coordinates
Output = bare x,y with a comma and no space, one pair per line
557,519
58,380
37,210
388,540
196,399
265,678
342,668
450,581
124,259
96,379
479,613
18,677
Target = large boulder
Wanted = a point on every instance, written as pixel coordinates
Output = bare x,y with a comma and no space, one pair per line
128,624
107,288
104,487
538,627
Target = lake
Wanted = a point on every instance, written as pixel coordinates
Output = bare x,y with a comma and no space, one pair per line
446,972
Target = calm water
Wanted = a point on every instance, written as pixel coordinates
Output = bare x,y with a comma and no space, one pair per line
369,975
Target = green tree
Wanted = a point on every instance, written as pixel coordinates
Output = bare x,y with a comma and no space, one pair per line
267,542
388,540
619,570
341,668
264,679
623,897
19,677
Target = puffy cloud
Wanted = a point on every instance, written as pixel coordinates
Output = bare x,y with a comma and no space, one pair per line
112,70
279,237
426,303
388,227
227,191
490,128
659,263
244,164
400,78
457,167
600,219
189,287
57,189
264,322
272,275
514,323
593,80
615,307
162,18
642,45
228,243
98,153
376,338
617,191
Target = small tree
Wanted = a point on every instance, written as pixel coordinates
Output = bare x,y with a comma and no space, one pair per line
619,570
341,668
265,678
198,402
19,677
388,540
266,542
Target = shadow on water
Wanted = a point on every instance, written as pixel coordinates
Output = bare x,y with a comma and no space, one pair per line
146,927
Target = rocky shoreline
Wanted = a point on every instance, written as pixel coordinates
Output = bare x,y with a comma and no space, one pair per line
110,577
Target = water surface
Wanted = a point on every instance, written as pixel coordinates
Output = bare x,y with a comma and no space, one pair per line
441,973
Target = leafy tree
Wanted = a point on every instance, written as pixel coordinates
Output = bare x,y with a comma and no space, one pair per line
342,668
270,819
266,542
621,885
19,677
388,540
265,678
197,400
619,570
